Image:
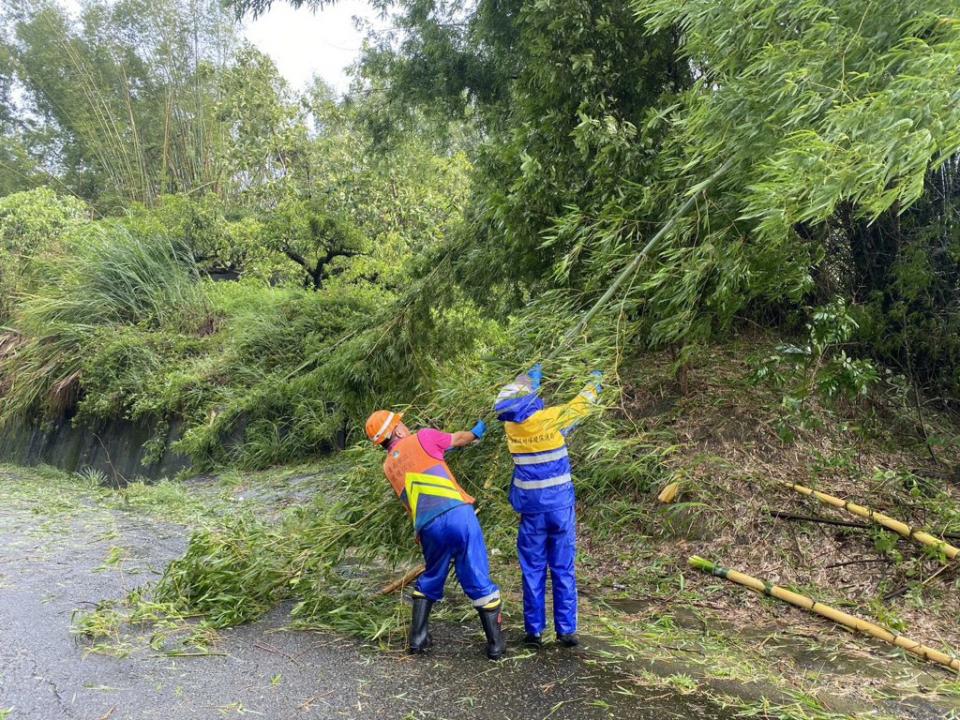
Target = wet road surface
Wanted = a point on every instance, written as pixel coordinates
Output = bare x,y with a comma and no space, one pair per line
51,567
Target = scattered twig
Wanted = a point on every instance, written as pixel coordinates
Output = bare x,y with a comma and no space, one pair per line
904,588
861,561
277,651
815,519
313,699
187,653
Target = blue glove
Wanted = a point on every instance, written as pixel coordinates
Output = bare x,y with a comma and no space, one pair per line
536,375
480,429
598,375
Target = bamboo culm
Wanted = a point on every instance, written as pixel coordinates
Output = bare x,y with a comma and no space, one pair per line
901,528
837,616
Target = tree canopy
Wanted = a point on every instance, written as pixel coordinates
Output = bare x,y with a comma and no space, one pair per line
491,161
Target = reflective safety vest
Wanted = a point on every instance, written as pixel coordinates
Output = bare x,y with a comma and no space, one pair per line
426,486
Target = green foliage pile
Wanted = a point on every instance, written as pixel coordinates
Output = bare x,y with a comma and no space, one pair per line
230,574
237,570
332,554
113,278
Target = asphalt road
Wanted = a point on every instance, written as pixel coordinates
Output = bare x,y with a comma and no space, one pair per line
50,568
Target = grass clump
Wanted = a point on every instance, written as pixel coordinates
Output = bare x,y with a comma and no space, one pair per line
166,499
330,555
114,278
119,276
115,628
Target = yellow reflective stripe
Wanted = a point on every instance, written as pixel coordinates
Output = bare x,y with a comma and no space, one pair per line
442,482
578,408
532,438
436,492
538,433
422,484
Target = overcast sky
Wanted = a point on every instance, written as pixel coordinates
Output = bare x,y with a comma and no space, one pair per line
302,43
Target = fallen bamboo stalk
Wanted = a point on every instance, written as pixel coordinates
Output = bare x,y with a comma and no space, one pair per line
886,521
842,618
635,263
779,515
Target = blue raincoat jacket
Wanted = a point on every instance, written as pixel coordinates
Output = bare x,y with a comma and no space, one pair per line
537,439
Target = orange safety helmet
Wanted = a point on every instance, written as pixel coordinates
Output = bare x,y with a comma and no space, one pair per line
381,424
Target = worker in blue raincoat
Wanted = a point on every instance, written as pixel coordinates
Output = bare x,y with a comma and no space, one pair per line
542,492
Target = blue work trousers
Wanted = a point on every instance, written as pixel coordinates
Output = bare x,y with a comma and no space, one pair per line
549,539
456,535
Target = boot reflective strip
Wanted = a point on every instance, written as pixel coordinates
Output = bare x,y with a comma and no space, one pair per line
540,458
481,602
540,484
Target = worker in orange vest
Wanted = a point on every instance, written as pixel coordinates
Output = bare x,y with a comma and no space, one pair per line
443,521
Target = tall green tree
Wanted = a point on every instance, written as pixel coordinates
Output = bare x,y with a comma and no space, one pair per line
533,80
267,150
126,94
556,89
827,112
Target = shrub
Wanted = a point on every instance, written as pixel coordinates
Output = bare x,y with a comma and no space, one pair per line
31,226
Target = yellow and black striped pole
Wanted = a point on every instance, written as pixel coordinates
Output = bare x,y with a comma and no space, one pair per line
850,621
886,521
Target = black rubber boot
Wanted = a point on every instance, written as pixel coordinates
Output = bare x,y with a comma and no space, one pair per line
420,638
535,641
493,628
570,640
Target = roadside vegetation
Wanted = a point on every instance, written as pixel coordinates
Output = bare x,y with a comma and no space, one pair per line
186,240
291,534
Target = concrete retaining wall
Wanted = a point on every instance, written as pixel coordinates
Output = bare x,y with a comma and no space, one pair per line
115,448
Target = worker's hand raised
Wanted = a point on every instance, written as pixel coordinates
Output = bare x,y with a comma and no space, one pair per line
479,430
536,375
598,376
